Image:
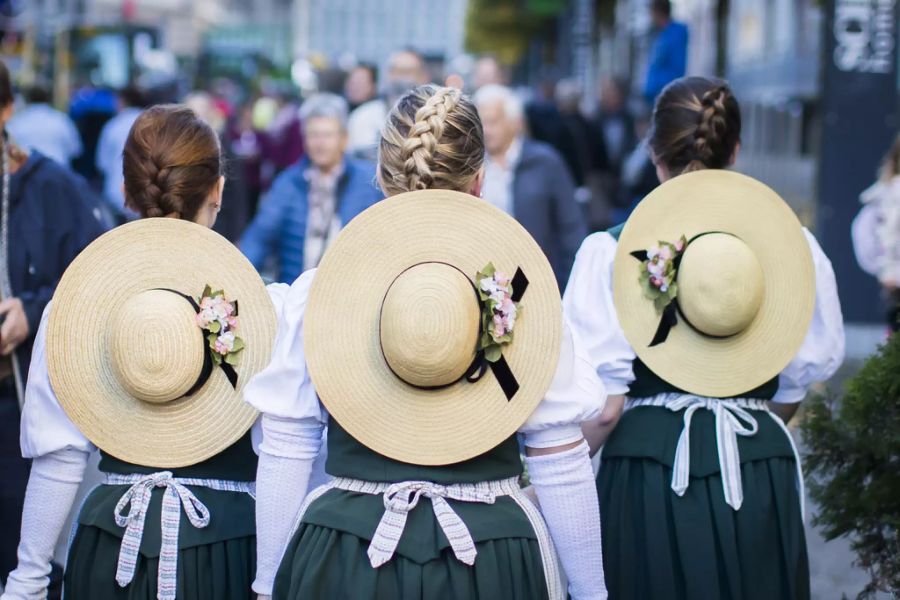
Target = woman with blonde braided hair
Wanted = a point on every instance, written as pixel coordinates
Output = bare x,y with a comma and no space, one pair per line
425,507
699,481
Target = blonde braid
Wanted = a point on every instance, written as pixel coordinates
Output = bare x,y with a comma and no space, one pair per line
432,139
424,135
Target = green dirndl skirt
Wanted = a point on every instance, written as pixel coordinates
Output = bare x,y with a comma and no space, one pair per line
321,562
657,545
220,570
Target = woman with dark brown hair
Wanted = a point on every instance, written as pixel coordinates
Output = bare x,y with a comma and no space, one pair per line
123,546
699,490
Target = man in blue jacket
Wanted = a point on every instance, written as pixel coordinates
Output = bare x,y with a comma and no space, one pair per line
668,54
311,200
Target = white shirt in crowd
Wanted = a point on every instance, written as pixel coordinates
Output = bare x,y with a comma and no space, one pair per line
876,231
109,155
49,131
498,179
364,127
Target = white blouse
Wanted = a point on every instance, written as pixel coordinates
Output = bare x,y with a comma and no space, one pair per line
589,303
285,390
45,426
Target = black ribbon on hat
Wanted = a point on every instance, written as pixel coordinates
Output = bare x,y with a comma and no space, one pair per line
208,363
671,312
500,367
669,318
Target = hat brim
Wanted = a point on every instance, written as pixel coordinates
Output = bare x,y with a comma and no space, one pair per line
139,256
724,201
341,331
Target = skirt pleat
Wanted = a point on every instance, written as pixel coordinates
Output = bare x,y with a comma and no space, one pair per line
321,562
657,545
217,571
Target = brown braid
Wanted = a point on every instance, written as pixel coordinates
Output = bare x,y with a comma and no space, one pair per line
171,163
696,125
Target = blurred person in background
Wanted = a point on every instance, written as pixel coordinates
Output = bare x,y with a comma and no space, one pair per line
876,233
368,111
246,146
39,126
310,202
586,153
91,108
406,69
283,140
668,52
638,173
110,146
48,217
616,125
489,71
529,180
361,85
408,66
234,213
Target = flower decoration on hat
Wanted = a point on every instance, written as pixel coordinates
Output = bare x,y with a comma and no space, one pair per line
219,318
498,311
658,278
659,270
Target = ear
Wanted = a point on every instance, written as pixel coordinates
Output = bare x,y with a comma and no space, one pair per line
128,203
7,113
478,184
220,190
734,155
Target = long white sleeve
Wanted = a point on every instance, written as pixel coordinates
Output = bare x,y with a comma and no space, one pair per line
286,457
822,351
52,487
588,305
564,483
292,424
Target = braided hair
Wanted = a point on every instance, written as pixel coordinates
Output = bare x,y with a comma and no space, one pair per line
696,125
432,139
171,163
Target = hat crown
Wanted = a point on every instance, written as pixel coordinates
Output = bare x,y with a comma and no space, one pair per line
720,284
429,325
155,345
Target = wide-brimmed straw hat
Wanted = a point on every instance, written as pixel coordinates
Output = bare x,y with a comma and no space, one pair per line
398,310
714,283
138,344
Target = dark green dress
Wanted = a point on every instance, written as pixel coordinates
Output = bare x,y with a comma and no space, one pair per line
326,557
217,562
659,546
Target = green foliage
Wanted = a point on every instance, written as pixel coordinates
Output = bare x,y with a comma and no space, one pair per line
853,466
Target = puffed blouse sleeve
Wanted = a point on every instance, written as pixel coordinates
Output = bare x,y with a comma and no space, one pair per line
822,351
576,394
45,426
588,304
284,389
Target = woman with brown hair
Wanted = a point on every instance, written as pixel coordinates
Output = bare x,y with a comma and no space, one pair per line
707,314
402,343
139,357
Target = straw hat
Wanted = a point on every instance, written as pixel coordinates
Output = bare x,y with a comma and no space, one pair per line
394,317
127,357
745,286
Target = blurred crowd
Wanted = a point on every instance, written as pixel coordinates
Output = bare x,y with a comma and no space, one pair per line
300,167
